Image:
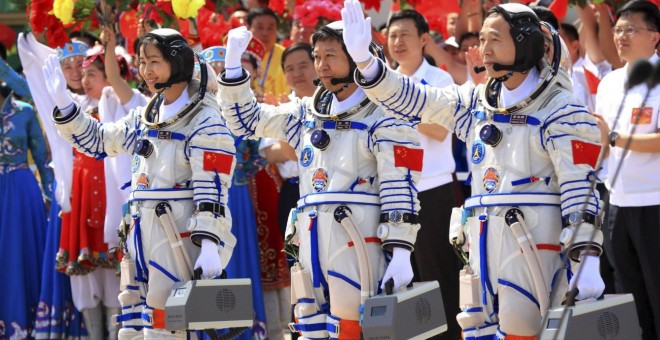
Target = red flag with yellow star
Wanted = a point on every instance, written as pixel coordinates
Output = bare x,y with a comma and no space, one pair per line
408,158
218,162
585,153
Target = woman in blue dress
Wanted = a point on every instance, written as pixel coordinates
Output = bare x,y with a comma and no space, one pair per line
57,318
245,261
22,211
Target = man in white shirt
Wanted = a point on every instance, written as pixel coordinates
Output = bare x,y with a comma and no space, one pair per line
635,190
408,33
586,74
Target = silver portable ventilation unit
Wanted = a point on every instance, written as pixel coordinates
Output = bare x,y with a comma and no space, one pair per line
414,313
612,318
210,304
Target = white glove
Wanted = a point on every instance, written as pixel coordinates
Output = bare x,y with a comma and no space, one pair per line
56,83
237,42
357,31
399,269
209,259
588,280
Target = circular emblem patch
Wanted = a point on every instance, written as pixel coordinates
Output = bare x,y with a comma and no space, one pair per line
491,179
136,163
142,182
478,152
307,155
319,180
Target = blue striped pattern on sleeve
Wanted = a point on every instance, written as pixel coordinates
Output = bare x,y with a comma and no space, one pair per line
294,124
574,196
408,102
245,118
397,195
89,141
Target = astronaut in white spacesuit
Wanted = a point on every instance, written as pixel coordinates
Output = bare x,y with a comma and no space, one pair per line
357,173
533,150
183,159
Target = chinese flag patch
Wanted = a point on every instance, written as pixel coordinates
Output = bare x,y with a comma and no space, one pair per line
218,162
585,153
408,158
641,115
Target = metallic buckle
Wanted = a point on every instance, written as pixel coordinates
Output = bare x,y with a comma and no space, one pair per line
343,125
164,134
518,120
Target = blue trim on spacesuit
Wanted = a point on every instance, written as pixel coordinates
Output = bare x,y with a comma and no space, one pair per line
246,127
128,316
128,141
88,137
351,125
142,272
529,180
406,94
481,329
218,187
212,149
173,135
551,137
164,271
506,118
574,197
467,116
335,202
395,142
550,119
573,181
318,279
483,260
393,188
400,100
482,205
520,290
485,325
344,278
474,310
295,122
569,190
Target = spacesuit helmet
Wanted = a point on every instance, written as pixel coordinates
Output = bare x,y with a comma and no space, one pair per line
554,69
527,36
176,51
335,30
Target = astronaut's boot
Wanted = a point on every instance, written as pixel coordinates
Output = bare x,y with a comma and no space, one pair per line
94,321
110,325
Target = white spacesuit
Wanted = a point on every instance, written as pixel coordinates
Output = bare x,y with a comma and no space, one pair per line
531,168
354,176
181,171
